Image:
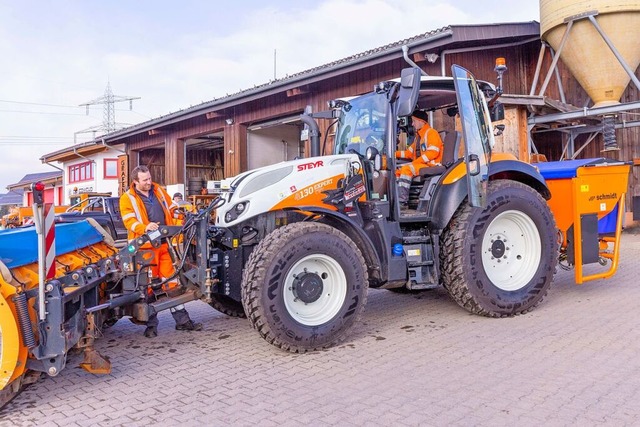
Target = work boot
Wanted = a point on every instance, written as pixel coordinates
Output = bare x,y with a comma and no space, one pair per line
189,326
151,332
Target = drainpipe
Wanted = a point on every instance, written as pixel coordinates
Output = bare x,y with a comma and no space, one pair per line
104,143
95,175
55,194
53,166
405,54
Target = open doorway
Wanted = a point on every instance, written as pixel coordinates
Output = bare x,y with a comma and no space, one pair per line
204,161
273,142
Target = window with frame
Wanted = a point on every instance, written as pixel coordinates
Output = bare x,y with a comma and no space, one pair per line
81,172
110,168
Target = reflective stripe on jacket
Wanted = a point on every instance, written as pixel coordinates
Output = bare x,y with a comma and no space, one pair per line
134,213
430,146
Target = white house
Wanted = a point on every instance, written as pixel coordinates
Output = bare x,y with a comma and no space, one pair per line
87,168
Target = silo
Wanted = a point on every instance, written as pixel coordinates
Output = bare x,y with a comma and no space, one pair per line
585,51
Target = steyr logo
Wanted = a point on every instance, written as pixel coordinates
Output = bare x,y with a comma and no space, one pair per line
310,165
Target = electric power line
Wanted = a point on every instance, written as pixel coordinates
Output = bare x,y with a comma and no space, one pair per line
39,103
33,137
41,112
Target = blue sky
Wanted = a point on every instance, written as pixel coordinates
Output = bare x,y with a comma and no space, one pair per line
57,55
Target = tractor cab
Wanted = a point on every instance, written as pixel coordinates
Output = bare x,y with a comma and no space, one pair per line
374,125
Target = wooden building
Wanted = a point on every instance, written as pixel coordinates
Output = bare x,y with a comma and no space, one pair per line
261,125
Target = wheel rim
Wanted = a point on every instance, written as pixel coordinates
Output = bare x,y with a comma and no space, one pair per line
326,298
511,250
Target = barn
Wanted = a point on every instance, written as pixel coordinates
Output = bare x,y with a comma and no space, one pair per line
261,125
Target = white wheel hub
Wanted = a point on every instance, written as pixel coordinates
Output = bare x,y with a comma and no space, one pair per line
511,250
315,289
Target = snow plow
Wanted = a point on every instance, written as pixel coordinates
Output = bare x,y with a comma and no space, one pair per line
35,338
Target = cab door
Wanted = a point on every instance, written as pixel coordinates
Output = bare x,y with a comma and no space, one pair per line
476,130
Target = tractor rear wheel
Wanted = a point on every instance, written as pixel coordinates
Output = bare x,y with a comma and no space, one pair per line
304,286
500,261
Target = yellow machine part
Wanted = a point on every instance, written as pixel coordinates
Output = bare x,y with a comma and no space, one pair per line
13,352
594,190
11,348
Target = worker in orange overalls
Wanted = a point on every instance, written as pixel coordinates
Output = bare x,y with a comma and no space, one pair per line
430,143
144,207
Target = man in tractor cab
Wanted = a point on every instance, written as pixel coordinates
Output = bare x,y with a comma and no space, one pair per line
429,142
145,207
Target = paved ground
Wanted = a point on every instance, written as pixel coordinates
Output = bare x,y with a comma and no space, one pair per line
414,360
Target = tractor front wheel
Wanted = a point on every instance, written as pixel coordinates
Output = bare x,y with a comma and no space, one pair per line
304,286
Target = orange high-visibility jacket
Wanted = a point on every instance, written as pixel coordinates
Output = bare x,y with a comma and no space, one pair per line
430,147
134,214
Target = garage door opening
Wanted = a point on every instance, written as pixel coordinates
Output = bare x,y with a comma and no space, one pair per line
204,161
273,142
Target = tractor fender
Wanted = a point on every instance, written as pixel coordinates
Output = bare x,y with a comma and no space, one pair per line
522,172
355,232
453,190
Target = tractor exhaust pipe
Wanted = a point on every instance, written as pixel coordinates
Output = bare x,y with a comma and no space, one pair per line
314,133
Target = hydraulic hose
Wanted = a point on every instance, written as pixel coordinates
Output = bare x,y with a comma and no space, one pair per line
117,302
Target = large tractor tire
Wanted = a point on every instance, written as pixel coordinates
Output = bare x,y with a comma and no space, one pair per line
227,305
500,261
304,287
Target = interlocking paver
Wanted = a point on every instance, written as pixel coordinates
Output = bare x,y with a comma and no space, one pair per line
413,360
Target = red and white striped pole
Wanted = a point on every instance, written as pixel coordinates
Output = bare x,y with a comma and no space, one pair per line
43,217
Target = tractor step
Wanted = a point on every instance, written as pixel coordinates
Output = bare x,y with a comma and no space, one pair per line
420,263
412,240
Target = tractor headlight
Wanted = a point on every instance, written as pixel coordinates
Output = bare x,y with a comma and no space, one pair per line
236,211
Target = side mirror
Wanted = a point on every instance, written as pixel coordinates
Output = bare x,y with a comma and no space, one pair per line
409,91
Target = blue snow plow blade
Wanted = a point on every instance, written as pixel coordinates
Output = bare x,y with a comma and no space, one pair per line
19,246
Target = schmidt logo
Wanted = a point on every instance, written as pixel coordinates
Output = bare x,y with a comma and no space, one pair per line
604,197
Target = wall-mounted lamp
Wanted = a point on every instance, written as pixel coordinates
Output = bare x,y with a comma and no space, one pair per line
431,57
229,121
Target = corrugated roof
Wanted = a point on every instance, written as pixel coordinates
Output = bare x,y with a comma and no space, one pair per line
13,197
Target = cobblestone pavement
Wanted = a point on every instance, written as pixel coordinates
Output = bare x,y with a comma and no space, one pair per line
413,360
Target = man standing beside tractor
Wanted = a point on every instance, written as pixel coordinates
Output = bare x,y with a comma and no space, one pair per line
144,207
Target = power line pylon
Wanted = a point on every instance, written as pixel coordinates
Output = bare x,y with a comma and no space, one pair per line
109,113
